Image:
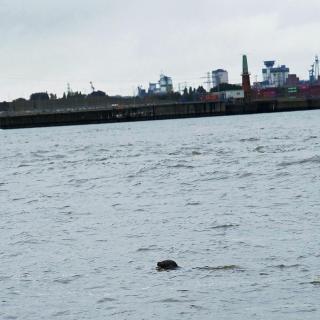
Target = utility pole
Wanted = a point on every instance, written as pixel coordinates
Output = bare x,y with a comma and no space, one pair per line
208,81
182,86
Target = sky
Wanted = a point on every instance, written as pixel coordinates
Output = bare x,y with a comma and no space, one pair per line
121,44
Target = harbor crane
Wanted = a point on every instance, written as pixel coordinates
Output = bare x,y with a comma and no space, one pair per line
316,68
314,72
92,87
311,74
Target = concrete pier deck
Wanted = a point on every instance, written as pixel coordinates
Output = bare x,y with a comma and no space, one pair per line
144,112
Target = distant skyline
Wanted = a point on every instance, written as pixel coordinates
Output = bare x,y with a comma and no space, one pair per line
121,44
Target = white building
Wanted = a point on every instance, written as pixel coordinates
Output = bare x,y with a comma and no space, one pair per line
164,86
219,76
274,76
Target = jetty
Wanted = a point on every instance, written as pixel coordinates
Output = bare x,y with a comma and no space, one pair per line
41,116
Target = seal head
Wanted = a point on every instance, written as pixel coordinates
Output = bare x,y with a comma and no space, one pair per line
167,265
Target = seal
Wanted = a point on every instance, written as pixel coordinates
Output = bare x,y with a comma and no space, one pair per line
167,265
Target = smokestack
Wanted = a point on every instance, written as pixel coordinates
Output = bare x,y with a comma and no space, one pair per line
245,69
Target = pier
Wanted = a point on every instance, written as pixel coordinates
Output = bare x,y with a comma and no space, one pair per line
94,114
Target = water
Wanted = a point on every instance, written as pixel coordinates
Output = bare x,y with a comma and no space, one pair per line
88,211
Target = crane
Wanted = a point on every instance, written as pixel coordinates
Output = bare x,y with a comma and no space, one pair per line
92,87
311,74
316,68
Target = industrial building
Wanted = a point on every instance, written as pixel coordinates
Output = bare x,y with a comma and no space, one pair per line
293,80
153,88
274,76
164,86
219,76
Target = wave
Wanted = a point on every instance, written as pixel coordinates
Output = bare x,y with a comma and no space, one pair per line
310,138
245,175
250,140
260,149
221,268
225,226
181,166
316,282
103,300
173,300
195,203
283,266
314,159
151,248
67,280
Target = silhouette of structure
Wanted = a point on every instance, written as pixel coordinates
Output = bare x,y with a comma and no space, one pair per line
246,84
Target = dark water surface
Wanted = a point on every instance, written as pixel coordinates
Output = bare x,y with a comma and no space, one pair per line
87,211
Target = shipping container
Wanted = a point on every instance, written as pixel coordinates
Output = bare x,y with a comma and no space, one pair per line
210,97
314,91
268,93
234,94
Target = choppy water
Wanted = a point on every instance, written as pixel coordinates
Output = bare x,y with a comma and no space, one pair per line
86,212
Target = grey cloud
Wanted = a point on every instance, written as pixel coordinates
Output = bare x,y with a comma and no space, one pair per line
120,44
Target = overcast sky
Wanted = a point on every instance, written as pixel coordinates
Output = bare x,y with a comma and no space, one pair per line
120,44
